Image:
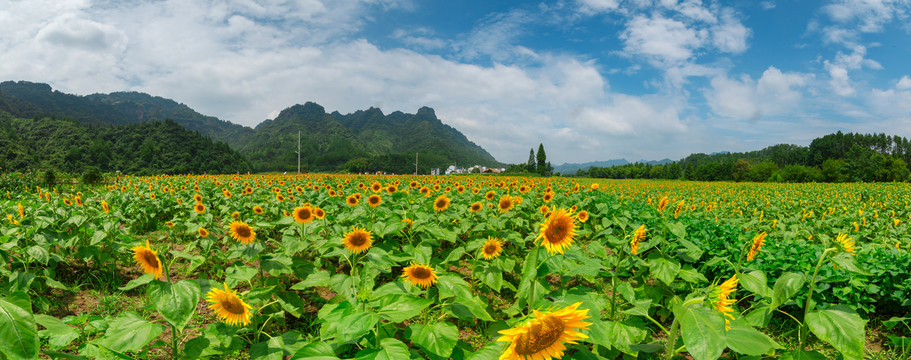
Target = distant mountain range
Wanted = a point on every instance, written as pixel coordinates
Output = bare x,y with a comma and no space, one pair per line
571,168
366,140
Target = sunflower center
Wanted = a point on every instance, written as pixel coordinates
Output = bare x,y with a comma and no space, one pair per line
558,230
490,249
440,203
505,204
420,273
233,305
374,200
358,239
243,231
541,334
303,213
149,258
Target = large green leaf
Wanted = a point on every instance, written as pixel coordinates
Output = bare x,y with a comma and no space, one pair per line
400,308
390,349
216,340
267,350
438,339
841,327
176,302
664,269
756,282
142,280
18,332
702,329
58,333
129,332
849,262
744,339
785,287
620,335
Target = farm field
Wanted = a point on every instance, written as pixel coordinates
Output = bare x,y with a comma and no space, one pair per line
463,267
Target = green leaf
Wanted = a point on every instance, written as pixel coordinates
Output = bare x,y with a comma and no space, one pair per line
848,262
621,335
18,332
746,340
292,303
129,332
176,302
238,273
401,308
142,280
677,229
344,322
756,282
317,351
454,255
702,329
664,269
319,278
268,350
39,254
785,287
640,307
691,275
58,333
390,349
803,355
841,327
492,277
453,286
438,339
216,340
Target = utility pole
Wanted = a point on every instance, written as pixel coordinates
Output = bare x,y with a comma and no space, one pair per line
298,152
415,163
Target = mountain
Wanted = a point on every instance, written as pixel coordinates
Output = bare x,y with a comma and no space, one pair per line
142,149
30,100
571,168
365,140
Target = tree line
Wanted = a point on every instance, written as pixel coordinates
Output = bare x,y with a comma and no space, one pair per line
838,157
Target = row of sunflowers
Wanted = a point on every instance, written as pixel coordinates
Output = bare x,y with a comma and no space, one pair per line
465,267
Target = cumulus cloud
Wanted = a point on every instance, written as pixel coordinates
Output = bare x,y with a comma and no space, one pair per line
840,80
775,93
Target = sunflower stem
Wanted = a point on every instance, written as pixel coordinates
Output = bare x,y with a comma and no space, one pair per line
173,341
669,350
613,300
806,308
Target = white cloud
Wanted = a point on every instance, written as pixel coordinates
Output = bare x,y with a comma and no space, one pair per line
730,35
775,93
767,5
596,6
840,81
904,83
854,17
664,41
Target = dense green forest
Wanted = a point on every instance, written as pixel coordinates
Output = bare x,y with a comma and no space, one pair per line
142,149
364,141
835,157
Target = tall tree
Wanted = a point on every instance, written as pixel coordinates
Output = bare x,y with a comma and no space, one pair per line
542,159
531,160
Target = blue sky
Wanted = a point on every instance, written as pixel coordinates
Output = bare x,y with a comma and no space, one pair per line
590,79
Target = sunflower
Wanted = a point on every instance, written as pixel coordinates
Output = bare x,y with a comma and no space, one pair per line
228,306
235,215
279,197
257,209
199,208
638,236
582,216
424,190
242,232
104,206
319,213
413,184
22,210
169,224
357,240
543,337
303,214
492,248
391,189
441,203
376,187
351,200
506,203
548,196
148,260
758,240
475,207
846,243
722,302
203,232
374,200
490,195
557,231
419,275
78,200
662,204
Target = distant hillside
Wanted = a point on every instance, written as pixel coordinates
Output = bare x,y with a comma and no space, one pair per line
571,168
362,141
365,140
30,100
142,149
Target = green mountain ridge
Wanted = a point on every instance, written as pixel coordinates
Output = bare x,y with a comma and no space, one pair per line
365,140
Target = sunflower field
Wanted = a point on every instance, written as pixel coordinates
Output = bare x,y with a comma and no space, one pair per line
465,267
